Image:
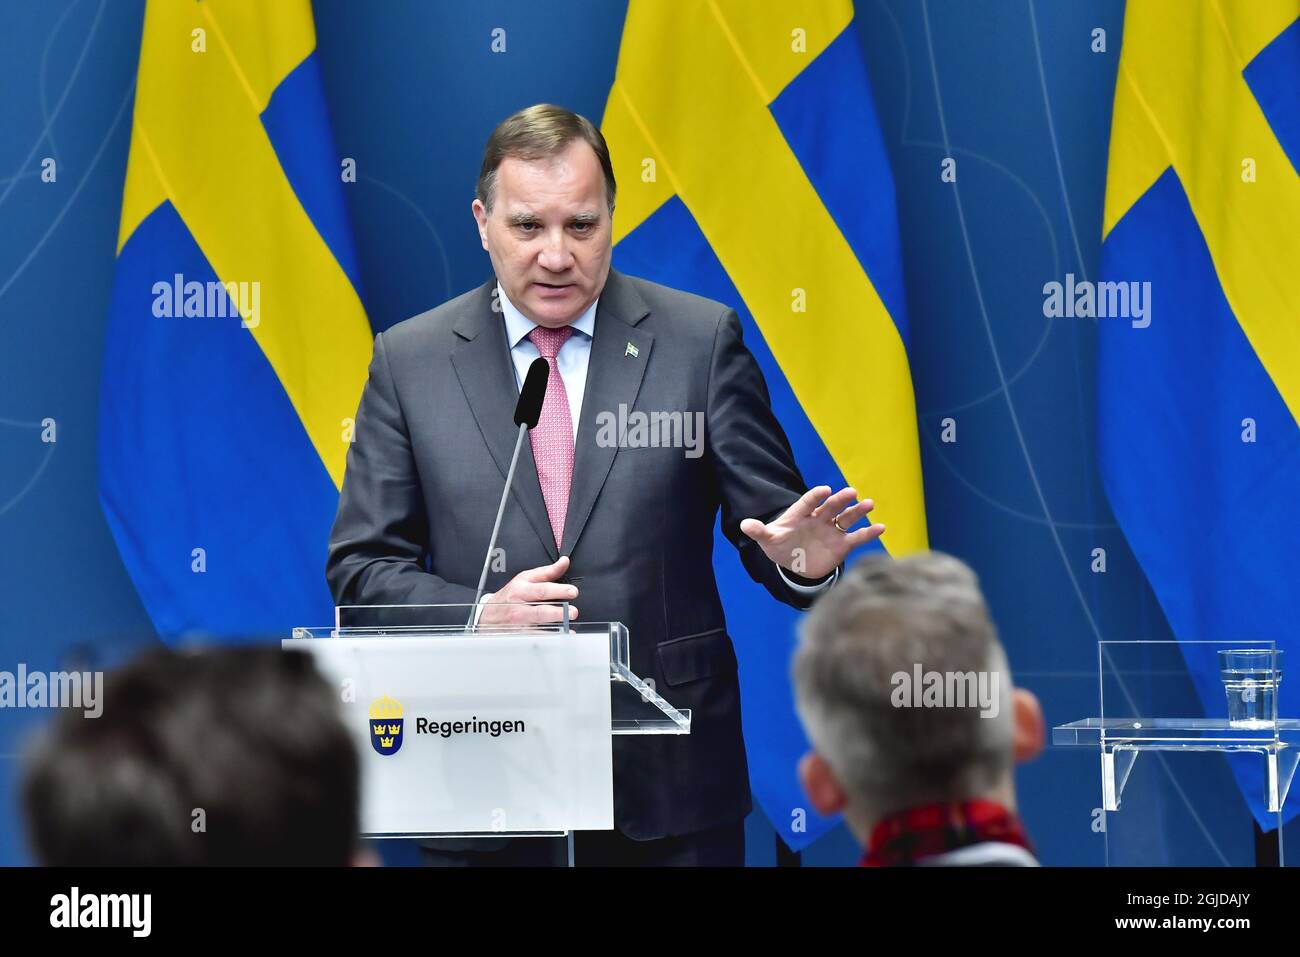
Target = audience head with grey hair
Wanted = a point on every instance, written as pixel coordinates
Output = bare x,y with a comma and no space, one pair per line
904,690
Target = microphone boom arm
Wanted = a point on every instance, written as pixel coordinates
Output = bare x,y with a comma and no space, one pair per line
496,526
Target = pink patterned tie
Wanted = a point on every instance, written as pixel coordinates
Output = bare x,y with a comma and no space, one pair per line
552,438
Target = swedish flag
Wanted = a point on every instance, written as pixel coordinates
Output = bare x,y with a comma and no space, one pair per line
751,170
1197,424
237,344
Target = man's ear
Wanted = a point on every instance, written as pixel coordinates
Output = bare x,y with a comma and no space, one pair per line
1030,730
820,784
480,217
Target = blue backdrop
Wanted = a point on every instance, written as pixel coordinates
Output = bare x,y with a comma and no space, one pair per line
1011,89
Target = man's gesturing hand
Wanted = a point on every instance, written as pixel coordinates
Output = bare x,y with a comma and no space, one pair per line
804,540
532,584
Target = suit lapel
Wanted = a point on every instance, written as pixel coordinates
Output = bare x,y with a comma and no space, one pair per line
614,377
487,376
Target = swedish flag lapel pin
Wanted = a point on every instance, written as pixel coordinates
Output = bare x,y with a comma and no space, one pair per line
632,351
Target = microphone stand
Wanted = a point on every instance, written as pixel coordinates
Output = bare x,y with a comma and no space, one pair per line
496,526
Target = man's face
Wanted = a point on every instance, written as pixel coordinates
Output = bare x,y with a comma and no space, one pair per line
549,233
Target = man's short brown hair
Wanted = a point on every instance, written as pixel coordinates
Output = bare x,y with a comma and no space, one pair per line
539,132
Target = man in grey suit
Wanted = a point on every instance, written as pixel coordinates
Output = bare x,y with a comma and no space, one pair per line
630,521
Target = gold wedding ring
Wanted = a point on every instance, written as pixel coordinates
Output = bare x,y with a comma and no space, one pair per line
836,522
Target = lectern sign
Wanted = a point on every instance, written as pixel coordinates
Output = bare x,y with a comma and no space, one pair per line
482,734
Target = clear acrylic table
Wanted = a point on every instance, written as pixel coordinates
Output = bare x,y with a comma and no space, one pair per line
1220,756
1121,740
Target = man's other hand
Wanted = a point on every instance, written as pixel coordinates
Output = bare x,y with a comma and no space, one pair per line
805,539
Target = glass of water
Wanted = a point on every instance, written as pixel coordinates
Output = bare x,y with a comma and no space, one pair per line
1250,678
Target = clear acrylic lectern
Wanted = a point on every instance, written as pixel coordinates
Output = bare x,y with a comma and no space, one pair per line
472,730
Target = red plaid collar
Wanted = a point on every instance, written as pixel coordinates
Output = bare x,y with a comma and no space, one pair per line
929,829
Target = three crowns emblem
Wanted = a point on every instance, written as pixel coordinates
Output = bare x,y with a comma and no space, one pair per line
386,725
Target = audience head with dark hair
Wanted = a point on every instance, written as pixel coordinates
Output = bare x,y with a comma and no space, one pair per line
220,756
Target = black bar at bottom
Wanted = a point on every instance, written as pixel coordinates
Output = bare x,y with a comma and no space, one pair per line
786,857
1268,846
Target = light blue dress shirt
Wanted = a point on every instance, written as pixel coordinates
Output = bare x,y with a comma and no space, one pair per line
572,359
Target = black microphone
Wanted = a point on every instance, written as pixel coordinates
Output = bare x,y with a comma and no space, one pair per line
527,411
529,407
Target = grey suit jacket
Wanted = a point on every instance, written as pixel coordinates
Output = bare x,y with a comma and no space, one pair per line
434,436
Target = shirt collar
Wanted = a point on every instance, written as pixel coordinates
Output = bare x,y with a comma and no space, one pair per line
518,325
